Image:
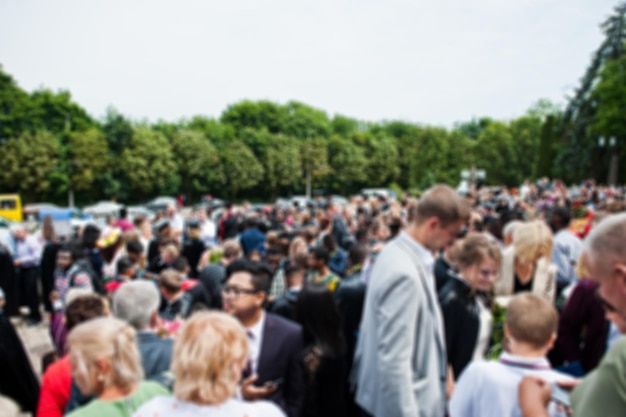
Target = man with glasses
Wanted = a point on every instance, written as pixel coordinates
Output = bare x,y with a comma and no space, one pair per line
274,370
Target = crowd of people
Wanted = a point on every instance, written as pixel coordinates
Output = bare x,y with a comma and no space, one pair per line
486,303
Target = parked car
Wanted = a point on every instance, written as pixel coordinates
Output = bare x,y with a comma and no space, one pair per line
160,203
103,209
211,203
66,221
136,211
11,207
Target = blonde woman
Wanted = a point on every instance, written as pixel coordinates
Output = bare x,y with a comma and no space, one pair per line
526,263
105,363
207,387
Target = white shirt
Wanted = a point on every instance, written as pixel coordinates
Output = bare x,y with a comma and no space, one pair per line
171,407
489,389
208,233
256,340
567,249
484,330
176,223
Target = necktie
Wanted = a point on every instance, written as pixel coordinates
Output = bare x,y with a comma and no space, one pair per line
247,371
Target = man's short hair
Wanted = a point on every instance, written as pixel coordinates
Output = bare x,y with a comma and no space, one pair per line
260,271
531,319
604,245
134,246
85,307
171,280
357,254
180,264
135,302
320,253
231,249
123,265
564,214
443,202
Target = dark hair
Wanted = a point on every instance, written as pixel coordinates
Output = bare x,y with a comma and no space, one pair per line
123,265
123,212
317,313
260,271
291,270
329,242
91,234
180,264
357,254
320,253
134,246
74,248
84,308
274,250
563,214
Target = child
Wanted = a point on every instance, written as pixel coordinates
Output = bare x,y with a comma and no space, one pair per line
490,388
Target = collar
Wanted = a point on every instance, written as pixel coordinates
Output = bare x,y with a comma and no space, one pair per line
257,329
521,362
424,254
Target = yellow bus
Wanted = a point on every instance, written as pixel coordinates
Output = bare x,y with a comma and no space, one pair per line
11,207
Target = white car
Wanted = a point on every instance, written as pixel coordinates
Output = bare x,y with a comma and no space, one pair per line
103,209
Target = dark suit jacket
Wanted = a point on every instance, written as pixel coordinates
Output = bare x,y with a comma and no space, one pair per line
281,358
156,353
350,297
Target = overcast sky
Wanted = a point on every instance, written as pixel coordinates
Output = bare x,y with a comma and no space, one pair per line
432,62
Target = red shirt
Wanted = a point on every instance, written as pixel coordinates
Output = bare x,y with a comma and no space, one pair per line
56,386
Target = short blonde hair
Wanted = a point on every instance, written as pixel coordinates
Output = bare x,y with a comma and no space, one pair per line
532,240
221,342
107,339
531,319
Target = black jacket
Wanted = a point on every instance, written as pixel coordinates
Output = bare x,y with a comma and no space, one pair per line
461,316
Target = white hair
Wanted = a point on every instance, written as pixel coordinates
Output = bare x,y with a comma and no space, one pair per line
604,245
135,302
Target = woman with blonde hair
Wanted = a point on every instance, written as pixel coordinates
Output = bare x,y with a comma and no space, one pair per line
207,387
105,363
526,263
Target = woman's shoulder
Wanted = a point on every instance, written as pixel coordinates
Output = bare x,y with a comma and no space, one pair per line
260,408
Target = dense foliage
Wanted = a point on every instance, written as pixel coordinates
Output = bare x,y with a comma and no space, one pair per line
49,145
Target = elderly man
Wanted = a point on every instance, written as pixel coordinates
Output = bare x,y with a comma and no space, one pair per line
603,391
137,303
26,259
400,362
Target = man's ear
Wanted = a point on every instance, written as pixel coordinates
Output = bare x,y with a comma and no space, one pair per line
433,223
620,270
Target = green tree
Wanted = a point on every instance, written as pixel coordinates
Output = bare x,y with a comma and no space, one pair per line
547,149
493,152
256,115
57,113
348,163
382,159
304,121
27,163
344,126
197,160
148,163
242,170
282,164
15,108
89,158
118,131
314,157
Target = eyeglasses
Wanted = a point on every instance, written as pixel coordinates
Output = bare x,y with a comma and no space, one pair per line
236,291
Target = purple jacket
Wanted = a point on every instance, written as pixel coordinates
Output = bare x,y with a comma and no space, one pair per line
582,319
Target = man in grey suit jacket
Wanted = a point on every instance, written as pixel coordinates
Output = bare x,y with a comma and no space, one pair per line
400,361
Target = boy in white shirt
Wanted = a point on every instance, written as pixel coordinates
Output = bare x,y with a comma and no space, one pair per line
487,389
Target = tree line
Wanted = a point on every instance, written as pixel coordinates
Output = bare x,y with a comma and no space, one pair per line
256,149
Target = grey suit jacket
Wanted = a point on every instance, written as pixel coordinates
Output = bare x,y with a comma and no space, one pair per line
400,361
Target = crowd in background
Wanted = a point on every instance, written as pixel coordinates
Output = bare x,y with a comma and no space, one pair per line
375,307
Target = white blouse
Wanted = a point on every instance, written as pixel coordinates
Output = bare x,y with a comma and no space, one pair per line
171,407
